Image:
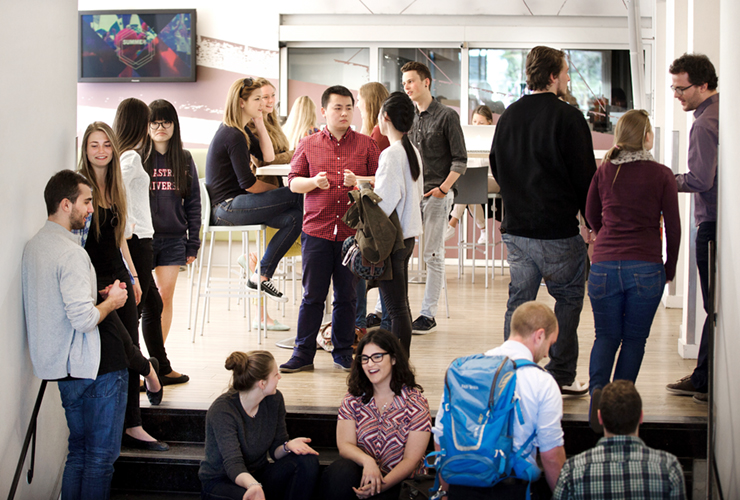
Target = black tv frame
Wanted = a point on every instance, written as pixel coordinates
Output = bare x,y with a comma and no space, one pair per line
163,79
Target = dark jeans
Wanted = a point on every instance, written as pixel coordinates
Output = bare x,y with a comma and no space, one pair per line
342,475
706,232
505,490
138,364
624,297
322,266
562,264
278,208
396,295
150,306
94,410
293,477
361,314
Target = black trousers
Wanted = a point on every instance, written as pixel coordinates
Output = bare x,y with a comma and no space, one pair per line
707,232
150,306
342,475
396,295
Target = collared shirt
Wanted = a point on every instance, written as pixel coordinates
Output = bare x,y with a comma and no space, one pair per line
621,467
322,152
384,436
438,136
701,179
539,399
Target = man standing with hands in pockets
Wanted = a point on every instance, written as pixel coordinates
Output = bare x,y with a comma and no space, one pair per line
326,166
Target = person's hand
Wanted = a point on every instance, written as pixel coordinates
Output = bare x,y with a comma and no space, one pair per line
436,192
137,291
321,181
190,260
254,492
363,492
117,293
371,477
259,122
349,178
299,446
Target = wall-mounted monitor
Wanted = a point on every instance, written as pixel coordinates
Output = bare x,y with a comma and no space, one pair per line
137,46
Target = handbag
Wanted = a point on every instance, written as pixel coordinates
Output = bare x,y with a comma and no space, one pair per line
359,265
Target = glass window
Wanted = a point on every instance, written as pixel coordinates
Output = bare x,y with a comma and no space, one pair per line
496,79
312,70
443,64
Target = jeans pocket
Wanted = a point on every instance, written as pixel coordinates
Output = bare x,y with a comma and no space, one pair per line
597,285
650,285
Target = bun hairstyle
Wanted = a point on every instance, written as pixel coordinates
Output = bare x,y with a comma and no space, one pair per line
629,134
248,368
400,111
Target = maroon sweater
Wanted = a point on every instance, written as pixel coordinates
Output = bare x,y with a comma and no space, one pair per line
626,215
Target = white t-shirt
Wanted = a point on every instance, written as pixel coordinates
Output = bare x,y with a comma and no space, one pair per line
539,400
136,180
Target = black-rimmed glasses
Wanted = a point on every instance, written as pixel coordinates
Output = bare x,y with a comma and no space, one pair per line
164,124
680,90
377,358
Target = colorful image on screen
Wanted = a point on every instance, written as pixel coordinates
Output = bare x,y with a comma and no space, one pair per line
131,46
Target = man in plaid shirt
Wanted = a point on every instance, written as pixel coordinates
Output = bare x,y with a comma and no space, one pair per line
326,166
621,465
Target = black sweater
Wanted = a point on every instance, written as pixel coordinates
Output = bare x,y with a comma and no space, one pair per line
542,157
228,171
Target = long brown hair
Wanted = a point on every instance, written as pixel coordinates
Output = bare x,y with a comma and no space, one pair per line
248,368
301,120
272,123
114,191
240,89
131,125
372,94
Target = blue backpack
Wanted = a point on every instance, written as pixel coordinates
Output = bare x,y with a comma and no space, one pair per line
476,448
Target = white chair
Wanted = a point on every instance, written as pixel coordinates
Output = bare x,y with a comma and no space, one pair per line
230,286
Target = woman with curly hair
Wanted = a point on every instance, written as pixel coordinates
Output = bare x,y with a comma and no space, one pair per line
384,424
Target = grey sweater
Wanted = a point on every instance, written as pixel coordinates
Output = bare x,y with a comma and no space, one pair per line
59,300
236,442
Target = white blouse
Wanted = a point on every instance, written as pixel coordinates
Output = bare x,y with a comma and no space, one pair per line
136,180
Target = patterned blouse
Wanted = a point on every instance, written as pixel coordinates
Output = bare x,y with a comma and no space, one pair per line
383,437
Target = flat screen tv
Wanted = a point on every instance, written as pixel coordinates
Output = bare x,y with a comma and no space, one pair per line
137,46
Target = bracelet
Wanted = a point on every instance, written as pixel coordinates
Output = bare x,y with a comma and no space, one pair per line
136,277
285,447
440,189
253,484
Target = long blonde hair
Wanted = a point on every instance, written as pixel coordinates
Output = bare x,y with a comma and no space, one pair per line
240,89
629,135
114,190
302,119
373,94
272,123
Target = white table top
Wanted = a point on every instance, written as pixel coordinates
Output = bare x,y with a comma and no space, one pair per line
279,170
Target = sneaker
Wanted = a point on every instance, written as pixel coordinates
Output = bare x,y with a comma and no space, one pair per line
574,389
483,238
242,261
343,363
269,288
701,398
593,412
423,325
683,387
372,320
276,326
449,232
296,364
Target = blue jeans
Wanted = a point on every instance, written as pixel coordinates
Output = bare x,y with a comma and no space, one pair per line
322,266
562,264
94,411
624,297
361,314
278,208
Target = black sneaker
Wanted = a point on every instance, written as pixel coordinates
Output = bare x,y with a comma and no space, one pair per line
296,364
701,398
423,325
593,413
343,363
372,320
269,288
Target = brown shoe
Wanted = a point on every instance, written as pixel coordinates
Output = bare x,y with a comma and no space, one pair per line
683,387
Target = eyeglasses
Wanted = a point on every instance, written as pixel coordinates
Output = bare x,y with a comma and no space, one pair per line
164,124
247,82
377,358
680,90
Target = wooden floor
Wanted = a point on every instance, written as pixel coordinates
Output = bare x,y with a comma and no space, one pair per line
475,325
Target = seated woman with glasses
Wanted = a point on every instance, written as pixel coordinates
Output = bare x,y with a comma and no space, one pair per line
237,196
384,424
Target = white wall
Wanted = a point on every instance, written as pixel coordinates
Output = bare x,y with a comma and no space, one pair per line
727,370
37,138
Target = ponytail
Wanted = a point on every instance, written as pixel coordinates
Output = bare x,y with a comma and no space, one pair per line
413,159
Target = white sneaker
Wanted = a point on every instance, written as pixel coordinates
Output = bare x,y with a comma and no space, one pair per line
449,232
482,239
575,389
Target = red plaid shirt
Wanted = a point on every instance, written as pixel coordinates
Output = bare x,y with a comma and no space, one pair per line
324,208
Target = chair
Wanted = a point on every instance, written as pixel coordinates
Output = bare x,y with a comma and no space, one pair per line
228,288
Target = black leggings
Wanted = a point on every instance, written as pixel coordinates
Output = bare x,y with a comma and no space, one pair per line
343,475
396,295
150,306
